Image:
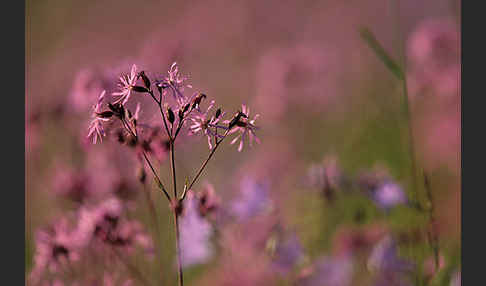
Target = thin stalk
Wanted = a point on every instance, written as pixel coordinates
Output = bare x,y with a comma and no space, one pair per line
178,249
408,115
201,169
176,215
155,223
130,267
411,148
159,103
432,235
159,181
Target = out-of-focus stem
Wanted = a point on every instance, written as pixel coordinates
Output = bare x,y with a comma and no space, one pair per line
432,235
411,148
130,267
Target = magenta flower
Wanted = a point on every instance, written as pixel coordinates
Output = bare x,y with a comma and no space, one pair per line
126,84
175,82
207,125
245,127
95,130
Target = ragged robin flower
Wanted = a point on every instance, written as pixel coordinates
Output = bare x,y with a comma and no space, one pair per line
206,124
95,130
126,84
242,124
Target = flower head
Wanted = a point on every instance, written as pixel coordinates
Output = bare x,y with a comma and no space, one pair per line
95,130
175,83
253,199
207,125
388,195
384,257
126,84
242,124
332,271
54,249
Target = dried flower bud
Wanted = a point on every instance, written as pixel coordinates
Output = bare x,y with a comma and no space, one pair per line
105,114
142,175
186,108
145,79
170,115
132,141
138,88
128,113
117,109
218,113
181,114
197,100
120,136
236,119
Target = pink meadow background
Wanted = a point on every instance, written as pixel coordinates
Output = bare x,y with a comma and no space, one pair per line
324,199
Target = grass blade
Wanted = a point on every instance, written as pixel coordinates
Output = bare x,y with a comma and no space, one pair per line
380,52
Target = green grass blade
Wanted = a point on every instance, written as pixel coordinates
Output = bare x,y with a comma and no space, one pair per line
380,52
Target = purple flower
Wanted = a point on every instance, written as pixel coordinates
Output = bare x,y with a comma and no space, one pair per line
253,199
330,271
206,124
245,127
389,195
287,253
126,84
384,258
195,233
95,130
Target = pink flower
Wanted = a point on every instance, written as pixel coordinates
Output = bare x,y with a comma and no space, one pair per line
207,125
95,130
245,127
54,249
175,82
126,84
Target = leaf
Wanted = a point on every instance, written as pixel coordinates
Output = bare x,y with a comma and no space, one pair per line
380,52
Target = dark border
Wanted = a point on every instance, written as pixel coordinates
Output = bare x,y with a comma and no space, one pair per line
12,210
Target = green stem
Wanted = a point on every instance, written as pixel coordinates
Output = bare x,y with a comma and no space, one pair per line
176,215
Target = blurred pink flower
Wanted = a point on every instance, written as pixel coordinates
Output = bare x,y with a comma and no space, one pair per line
434,52
54,249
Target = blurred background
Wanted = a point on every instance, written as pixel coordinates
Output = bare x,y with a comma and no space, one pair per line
332,180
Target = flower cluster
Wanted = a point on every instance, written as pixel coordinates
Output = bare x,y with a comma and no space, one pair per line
176,108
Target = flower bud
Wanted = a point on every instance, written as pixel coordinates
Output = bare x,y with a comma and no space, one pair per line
170,115
105,114
145,79
138,88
